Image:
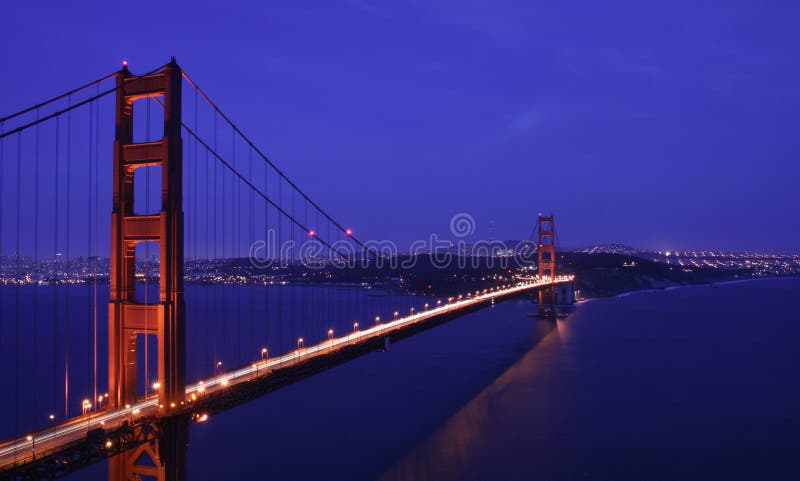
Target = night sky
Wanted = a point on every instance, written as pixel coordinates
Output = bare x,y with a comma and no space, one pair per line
664,125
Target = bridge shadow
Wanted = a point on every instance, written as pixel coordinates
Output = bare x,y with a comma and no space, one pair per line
450,453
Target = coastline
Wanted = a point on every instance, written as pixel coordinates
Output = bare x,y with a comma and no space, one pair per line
676,285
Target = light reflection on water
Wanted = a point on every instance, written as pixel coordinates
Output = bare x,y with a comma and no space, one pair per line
694,383
449,453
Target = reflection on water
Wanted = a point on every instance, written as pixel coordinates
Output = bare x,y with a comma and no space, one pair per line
692,383
449,453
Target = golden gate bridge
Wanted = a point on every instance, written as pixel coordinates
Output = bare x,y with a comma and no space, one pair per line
114,361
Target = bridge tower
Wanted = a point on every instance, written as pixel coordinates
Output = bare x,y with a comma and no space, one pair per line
128,317
547,263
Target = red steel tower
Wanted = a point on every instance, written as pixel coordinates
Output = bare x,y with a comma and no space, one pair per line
547,263
128,317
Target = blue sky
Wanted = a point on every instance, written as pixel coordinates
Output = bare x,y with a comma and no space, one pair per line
666,125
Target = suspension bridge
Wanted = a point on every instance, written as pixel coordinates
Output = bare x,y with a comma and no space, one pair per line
224,280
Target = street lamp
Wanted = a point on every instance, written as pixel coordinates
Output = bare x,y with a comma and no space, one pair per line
377,320
217,367
355,326
264,353
86,405
426,306
330,334
297,351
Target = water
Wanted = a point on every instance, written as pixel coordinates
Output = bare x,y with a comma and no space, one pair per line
691,383
47,337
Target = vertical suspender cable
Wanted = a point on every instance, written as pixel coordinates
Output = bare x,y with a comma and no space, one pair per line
206,314
193,209
267,263
309,286
216,259
96,211
17,290
37,277
56,217
222,264
250,286
146,336
66,263
89,241
235,235
293,303
208,266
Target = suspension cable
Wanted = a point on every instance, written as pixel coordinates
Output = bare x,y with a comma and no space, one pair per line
264,156
73,106
257,190
59,97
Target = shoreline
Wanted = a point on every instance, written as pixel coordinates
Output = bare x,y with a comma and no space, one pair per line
678,286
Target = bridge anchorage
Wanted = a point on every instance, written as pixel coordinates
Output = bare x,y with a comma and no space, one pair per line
145,435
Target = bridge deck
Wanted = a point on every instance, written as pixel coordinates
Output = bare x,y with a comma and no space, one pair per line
201,395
